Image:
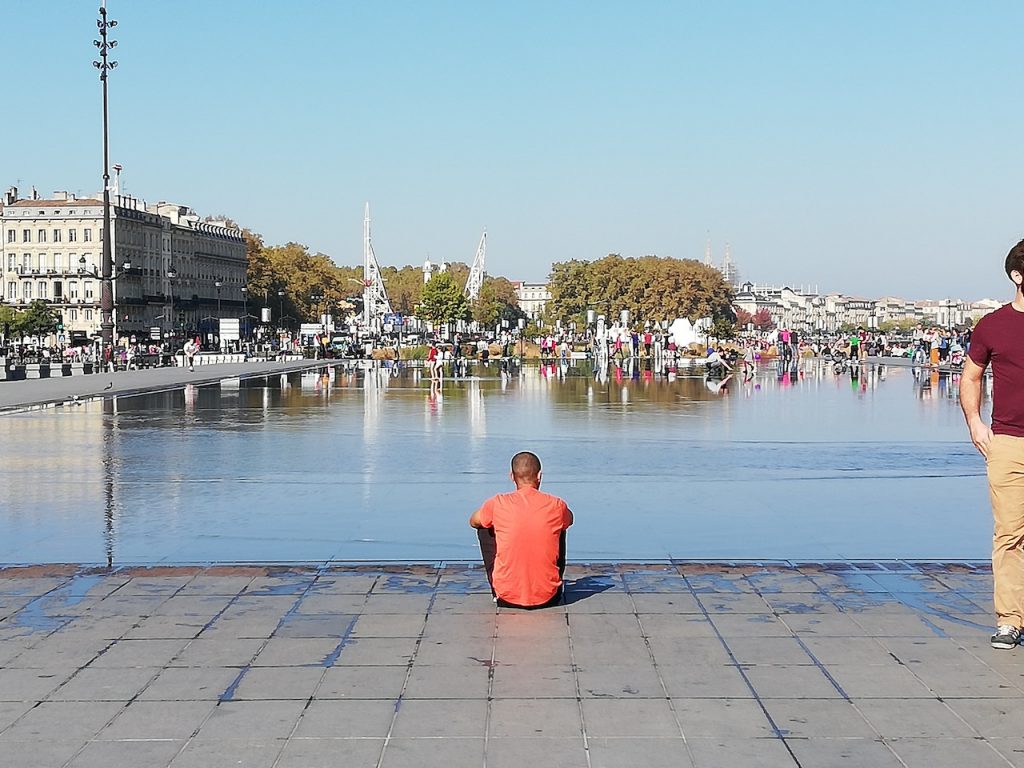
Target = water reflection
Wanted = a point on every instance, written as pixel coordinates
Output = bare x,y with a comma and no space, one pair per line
799,460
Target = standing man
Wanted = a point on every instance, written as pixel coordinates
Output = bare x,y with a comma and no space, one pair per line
522,539
999,339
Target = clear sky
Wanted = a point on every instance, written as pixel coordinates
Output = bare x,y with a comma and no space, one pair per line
871,147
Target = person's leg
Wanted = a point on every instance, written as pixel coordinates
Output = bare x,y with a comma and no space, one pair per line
1006,488
488,551
561,556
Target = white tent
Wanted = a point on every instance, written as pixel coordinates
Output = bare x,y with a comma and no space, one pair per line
684,333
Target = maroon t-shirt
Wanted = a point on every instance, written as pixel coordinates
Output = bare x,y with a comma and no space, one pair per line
999,339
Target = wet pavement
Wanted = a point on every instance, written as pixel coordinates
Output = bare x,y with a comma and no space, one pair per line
685,664
29,393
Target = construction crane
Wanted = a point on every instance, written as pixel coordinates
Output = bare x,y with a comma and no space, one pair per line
375,297
476,272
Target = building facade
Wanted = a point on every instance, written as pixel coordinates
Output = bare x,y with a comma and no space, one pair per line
532,298
173,273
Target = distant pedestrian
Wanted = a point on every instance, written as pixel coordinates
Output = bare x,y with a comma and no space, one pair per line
433,361
190,350
749,366
999,340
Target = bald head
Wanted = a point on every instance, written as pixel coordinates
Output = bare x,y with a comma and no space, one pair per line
526,469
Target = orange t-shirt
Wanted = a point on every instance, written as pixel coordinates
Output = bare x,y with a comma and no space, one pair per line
527,526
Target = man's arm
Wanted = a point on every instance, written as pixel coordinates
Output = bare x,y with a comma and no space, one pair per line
970,402
474,520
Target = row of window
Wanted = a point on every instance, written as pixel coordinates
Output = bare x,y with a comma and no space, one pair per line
42,262
42,290
57,235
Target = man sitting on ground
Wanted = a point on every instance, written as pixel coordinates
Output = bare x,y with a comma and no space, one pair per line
522,539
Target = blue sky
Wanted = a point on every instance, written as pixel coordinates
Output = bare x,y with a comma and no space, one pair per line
870,147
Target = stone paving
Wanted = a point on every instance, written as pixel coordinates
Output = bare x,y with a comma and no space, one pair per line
859,664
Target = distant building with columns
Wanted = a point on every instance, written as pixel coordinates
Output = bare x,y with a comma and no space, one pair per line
51,249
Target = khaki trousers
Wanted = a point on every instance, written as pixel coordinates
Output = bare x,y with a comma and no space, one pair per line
1006,488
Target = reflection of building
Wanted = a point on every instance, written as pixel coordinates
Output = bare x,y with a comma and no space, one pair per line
532,298
51,250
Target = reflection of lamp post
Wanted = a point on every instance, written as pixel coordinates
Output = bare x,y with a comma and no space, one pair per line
171,274
107,264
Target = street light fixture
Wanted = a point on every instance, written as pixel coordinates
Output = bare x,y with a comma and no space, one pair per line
107,264
280,309
218,283
127,265
98,275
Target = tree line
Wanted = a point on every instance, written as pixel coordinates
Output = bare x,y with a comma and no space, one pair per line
649,287
304,284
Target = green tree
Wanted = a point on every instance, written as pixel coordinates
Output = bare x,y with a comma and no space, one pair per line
38,319
497,301
443,300
10,321
650,288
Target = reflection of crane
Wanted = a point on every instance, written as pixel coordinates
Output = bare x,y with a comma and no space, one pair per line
476,272
375,296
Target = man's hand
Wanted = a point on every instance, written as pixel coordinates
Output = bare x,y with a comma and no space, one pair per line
981,436
970,402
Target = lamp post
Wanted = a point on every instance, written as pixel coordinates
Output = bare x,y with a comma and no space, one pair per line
316,298
245,310
107,265
218,284
280,309
171,274
92,273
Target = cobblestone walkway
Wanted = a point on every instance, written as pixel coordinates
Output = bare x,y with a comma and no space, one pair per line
871,664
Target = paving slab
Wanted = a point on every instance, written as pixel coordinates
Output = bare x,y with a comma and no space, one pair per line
413,665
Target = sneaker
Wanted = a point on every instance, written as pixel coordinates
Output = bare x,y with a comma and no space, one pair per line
1006,637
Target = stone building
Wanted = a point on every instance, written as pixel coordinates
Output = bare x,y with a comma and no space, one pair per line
172,271
532,298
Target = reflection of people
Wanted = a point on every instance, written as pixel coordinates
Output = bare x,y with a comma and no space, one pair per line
522,539
715,386
999,339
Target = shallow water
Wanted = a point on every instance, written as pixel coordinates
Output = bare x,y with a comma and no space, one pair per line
311,467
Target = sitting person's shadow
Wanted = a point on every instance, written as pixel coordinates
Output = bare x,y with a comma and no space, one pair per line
584,587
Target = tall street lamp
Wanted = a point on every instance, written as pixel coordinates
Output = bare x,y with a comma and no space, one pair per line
218,283
92,273
316,298
280,309
107,265
171,275
245,310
